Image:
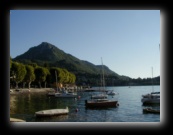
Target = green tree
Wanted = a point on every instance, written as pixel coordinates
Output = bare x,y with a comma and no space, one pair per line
18,72
72,78
10,62
41,74
30,75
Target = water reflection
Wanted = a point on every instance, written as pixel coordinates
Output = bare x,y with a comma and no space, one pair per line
60,118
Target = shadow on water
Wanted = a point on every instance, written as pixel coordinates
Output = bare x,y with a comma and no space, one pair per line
60,118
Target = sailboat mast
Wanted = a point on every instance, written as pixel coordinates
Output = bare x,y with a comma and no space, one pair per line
56,80
152,79
103,79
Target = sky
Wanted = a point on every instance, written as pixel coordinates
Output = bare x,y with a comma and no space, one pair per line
126,40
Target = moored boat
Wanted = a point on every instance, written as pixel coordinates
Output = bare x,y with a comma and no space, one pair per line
16,120
111,93
52,112
101,103
150,110
151,98
99,96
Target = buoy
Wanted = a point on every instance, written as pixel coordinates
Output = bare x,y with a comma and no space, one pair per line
76,110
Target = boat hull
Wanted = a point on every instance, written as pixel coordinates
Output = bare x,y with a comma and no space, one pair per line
146,101
149,110
101,103
152,98
51,112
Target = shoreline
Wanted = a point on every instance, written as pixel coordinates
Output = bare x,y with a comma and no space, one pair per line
31,90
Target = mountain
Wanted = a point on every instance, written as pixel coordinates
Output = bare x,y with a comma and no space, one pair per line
46,53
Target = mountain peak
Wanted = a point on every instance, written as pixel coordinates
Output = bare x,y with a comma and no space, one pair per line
46,45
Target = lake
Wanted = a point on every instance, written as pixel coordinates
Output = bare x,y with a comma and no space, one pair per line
130,107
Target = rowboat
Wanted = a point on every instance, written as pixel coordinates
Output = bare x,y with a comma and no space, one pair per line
150,110
52,112
16,120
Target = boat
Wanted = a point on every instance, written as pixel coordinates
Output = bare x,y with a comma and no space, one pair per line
111,93
102,89
16,120
99,96
151,98
52,112
65,94
150,110
101,103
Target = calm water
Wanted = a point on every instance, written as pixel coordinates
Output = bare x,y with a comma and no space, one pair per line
129,109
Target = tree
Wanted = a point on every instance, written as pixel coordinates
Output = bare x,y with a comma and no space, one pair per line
30,75
10,62
41,74
72,78
18,72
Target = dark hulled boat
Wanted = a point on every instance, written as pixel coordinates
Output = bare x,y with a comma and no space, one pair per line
101,103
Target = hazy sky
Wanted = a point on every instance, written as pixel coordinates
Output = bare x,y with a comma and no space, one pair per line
127,40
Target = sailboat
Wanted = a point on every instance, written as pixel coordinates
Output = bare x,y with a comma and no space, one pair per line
151,98
103,94
100,100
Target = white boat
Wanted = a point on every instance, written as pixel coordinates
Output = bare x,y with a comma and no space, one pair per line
66,94
111,93
52,112
99,96
151,98
16,120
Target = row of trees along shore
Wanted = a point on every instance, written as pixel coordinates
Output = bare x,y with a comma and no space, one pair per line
34,75
25,74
